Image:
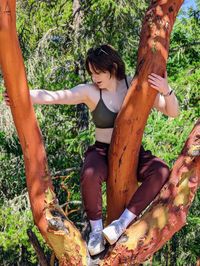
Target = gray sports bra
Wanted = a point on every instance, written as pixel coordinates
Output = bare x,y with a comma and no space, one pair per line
102,116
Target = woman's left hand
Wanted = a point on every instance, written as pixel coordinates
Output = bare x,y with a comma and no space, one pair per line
158,83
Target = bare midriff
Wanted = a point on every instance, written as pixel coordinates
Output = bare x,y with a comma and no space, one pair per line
103,134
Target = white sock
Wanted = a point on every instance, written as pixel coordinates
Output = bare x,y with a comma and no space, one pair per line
96,225
127,217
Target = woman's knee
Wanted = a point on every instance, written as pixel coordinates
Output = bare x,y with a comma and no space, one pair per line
90,176
164,172
156,170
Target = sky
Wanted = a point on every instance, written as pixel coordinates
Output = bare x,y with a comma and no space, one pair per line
189,3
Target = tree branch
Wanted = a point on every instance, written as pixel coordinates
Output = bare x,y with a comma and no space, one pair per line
38,249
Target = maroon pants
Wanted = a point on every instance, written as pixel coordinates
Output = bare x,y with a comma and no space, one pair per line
152,172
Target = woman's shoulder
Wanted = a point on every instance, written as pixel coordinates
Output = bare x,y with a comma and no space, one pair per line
92,86
92,94
85,88
92,89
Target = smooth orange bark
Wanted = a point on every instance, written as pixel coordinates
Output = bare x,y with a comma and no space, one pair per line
168,212
13,70
48,216
129,127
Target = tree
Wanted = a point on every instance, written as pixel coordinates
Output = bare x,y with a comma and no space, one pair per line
57,230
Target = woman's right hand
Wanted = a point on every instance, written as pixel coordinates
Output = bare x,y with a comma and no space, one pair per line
6,98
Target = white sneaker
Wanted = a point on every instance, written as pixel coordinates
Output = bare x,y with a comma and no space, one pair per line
113,231
96,242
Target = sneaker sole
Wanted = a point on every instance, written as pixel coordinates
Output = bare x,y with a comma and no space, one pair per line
110,241
95,251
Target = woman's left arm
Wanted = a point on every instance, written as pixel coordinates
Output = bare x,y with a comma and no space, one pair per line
165,101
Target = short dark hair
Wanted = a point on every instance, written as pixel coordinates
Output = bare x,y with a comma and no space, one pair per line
105,58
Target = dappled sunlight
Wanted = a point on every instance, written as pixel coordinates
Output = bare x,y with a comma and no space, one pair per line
162,50
135,232
161,215
183,193
165,213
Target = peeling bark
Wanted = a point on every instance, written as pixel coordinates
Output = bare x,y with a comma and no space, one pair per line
129,127
167,214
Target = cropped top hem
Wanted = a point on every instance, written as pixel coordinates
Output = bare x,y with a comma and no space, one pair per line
104,127
100,144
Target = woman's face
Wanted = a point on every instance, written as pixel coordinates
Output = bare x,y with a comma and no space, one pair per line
102,79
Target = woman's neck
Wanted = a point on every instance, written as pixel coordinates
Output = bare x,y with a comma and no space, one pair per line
114,85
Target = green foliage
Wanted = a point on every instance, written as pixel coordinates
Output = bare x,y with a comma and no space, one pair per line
185,43
54,57
15,219
167,134
170,134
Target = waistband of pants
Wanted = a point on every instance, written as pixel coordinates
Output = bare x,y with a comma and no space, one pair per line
99,144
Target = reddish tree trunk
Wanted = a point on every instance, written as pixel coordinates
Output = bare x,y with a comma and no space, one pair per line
129,127
168,212
12,67
48,216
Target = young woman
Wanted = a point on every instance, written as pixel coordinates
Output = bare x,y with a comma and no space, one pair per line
104,97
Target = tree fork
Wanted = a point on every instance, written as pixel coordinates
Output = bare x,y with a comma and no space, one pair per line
168,211
130,123
167,214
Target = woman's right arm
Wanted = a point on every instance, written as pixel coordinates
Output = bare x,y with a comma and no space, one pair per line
76,95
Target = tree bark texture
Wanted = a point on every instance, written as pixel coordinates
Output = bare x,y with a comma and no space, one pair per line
22,111
58,232
152,57
37,247
167,213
